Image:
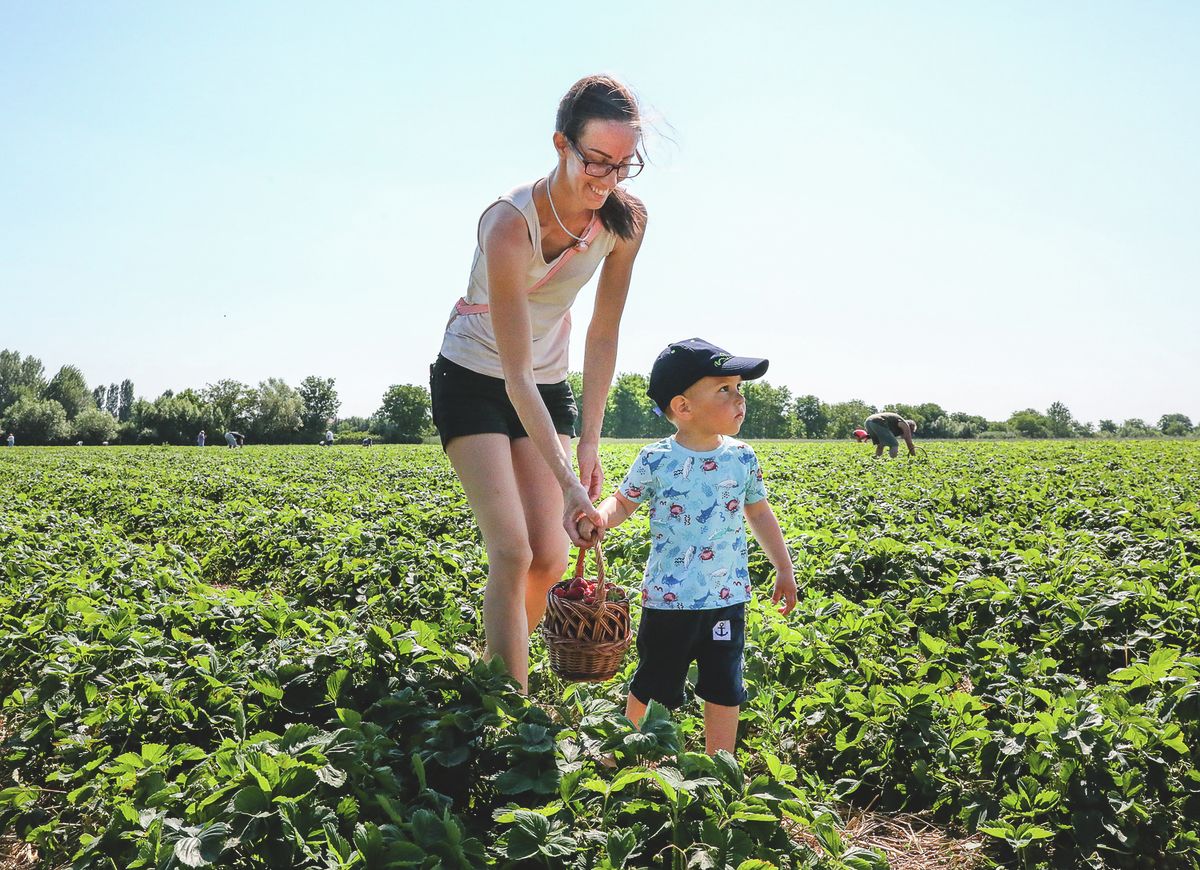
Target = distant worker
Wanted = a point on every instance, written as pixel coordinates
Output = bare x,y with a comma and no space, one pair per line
367,442
200,438
235,439
328,438
883,429
861,435
10,441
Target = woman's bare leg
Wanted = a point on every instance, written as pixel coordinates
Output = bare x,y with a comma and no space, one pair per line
485,465
542,503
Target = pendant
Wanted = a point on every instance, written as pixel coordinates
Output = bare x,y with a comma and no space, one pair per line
582,246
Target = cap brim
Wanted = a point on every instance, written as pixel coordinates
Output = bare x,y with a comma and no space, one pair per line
749,367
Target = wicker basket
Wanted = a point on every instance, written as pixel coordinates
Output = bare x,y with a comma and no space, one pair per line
586,641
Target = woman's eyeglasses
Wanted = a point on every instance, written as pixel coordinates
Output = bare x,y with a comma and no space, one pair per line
600,170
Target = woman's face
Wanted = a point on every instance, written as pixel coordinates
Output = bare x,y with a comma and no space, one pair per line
606,142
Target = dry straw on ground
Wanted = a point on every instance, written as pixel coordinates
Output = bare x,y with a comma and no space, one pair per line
15,855
908,842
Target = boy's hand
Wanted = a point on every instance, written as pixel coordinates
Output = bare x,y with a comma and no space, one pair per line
589,532
785,591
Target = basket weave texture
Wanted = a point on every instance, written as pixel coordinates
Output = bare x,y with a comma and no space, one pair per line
586,641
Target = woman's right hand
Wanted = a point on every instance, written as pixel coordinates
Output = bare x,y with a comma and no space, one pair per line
577,505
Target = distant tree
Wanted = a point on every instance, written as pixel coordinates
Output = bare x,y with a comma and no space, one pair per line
768,411
629,412
19,377
126,401
932,421
278,417
1135,427
845,417
37,421
967,425
93,426
575,380
321,403
113,405
1108,427
233,404
1029,424
100,395
1059,421
70,390
1083,430
354,424
811,421
130,431
1175,424
405,411
175,419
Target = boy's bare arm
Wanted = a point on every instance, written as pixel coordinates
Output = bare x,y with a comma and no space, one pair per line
770,537
614,510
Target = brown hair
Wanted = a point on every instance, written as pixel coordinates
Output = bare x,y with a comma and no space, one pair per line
603,98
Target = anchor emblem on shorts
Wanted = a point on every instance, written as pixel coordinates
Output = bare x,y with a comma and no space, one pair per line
721,630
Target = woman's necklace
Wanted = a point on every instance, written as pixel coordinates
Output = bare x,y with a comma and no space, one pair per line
582,243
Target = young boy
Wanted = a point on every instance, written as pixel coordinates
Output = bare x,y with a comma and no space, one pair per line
699,484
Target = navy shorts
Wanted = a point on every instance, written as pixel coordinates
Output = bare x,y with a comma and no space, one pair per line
669,641
468,403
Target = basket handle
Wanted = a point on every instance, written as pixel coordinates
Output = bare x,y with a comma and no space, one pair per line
600,582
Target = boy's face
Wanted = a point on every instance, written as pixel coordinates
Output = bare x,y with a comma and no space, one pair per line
715,405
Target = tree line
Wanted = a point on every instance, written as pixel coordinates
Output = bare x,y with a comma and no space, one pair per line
63,409
772,412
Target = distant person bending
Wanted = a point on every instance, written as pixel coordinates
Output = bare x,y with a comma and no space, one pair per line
235,439
328,437
883,429
200,438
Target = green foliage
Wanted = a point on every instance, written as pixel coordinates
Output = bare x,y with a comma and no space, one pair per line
278,416
321,403
769,411
175,419
406,412
19,377
1135,427
812,421
70,390
629,412
1030,424
94,426
845,417
232,405
1059,421
37,421
1175,424
271,659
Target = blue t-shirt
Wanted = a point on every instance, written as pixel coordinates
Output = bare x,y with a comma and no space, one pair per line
698,548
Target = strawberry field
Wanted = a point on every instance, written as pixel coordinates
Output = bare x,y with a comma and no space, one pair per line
269,658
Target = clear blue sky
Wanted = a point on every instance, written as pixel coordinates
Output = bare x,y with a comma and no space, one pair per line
989,206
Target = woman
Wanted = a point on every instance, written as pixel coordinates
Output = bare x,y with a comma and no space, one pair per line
501,402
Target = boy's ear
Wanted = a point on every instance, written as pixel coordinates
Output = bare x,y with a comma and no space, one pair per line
680,406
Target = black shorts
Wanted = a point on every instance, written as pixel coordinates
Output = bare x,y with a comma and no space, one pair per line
668,641
468,403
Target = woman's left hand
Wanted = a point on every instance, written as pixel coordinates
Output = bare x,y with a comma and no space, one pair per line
591,475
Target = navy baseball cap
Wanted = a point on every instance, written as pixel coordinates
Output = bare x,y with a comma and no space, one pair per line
685,362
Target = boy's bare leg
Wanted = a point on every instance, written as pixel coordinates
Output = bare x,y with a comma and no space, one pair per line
634,709
720,727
